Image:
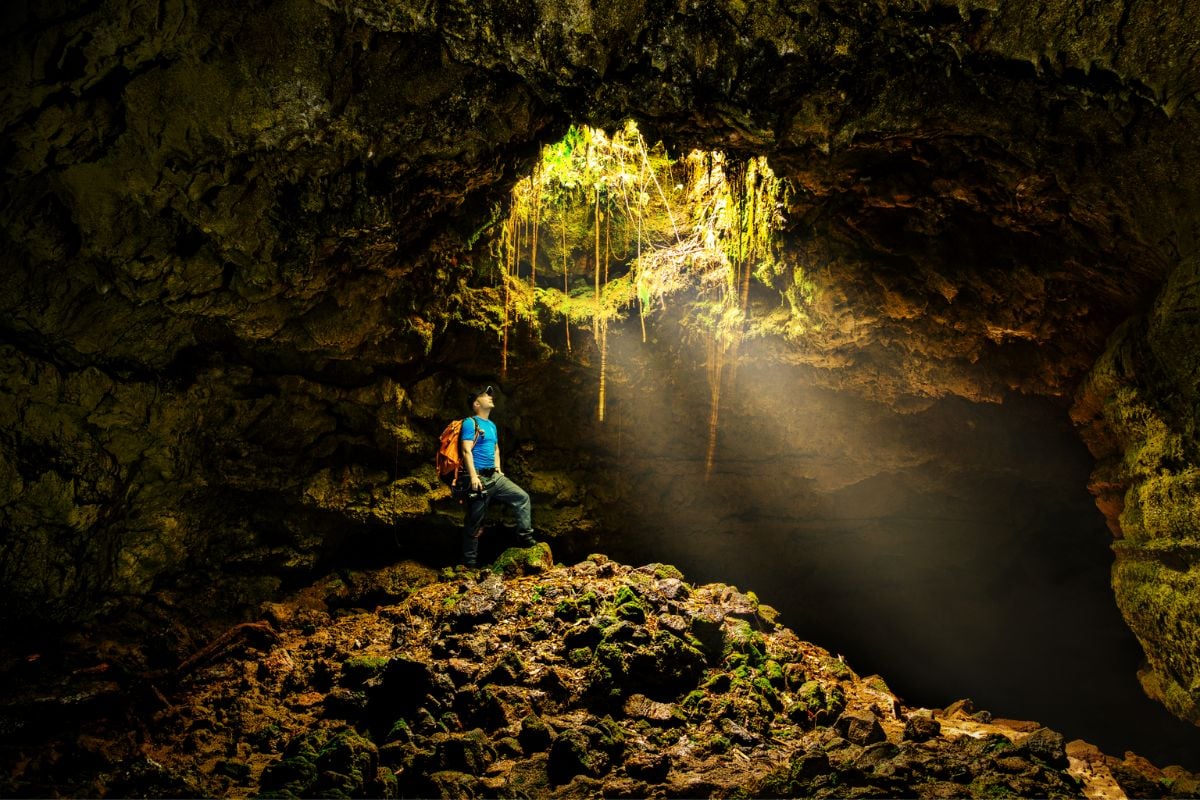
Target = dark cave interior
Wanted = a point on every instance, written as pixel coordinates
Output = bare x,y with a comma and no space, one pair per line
253,255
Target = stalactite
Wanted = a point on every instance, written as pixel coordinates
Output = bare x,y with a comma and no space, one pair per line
603,369
566,272
603,326
506,270
641,303
596,227
607,245
536,191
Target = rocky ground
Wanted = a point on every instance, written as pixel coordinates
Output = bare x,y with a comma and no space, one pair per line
528,679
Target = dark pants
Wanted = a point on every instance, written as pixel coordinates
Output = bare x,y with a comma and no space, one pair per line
497,488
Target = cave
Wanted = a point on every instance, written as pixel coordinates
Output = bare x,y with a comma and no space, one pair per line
911,392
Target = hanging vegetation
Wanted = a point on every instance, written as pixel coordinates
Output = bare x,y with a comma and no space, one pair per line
629,228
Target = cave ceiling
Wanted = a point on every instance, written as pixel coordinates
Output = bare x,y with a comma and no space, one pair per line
982,193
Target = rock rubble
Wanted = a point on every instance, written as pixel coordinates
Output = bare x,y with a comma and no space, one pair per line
534,680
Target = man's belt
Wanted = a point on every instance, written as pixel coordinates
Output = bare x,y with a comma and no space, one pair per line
487,473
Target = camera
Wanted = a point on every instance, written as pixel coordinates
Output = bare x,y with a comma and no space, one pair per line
463,491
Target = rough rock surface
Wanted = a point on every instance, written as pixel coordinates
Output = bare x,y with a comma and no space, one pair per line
1140,410
561,682
240,255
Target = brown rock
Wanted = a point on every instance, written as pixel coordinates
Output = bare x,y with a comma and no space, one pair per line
921,729
860,728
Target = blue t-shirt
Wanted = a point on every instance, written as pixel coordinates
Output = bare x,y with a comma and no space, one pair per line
484,451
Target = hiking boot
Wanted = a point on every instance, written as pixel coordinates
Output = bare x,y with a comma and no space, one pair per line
526,538
469,563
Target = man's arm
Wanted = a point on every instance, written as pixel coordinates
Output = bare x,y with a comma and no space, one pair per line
497,452
469,459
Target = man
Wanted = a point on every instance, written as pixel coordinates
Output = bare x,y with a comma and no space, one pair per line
481,455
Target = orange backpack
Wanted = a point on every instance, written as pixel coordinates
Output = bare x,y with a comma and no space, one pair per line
449,452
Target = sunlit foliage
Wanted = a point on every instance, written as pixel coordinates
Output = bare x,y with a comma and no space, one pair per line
608,225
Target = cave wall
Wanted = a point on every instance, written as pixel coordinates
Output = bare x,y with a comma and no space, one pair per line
1138,410
239,241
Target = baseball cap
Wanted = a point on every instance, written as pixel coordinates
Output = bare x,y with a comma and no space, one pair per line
477,393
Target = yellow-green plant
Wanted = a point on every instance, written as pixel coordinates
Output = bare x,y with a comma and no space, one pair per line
651,228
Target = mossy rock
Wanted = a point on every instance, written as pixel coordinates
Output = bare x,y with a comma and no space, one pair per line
741,638
625,594
837,668
510,669
608,736
350,755
528,778
571,754
573,608
482,707
717,744
579,656
358,669
665,571
631,612
664,667
294,775
516,561
710,632
807,772
470,753
817,702
535,733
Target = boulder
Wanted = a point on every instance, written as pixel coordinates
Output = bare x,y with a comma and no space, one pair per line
860,728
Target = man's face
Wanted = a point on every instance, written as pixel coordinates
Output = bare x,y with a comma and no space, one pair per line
485,402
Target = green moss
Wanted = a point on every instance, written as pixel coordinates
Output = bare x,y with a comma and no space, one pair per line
631,612
717,744
664,571
877,683
837,668
815,698
572,608
625,595
693,701
388,784
612,738
610,655
742,638
767,692
990,786
524,560
359,668
400,732
774,673
293,775
720,682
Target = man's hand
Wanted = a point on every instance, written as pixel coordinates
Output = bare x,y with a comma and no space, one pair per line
476,484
